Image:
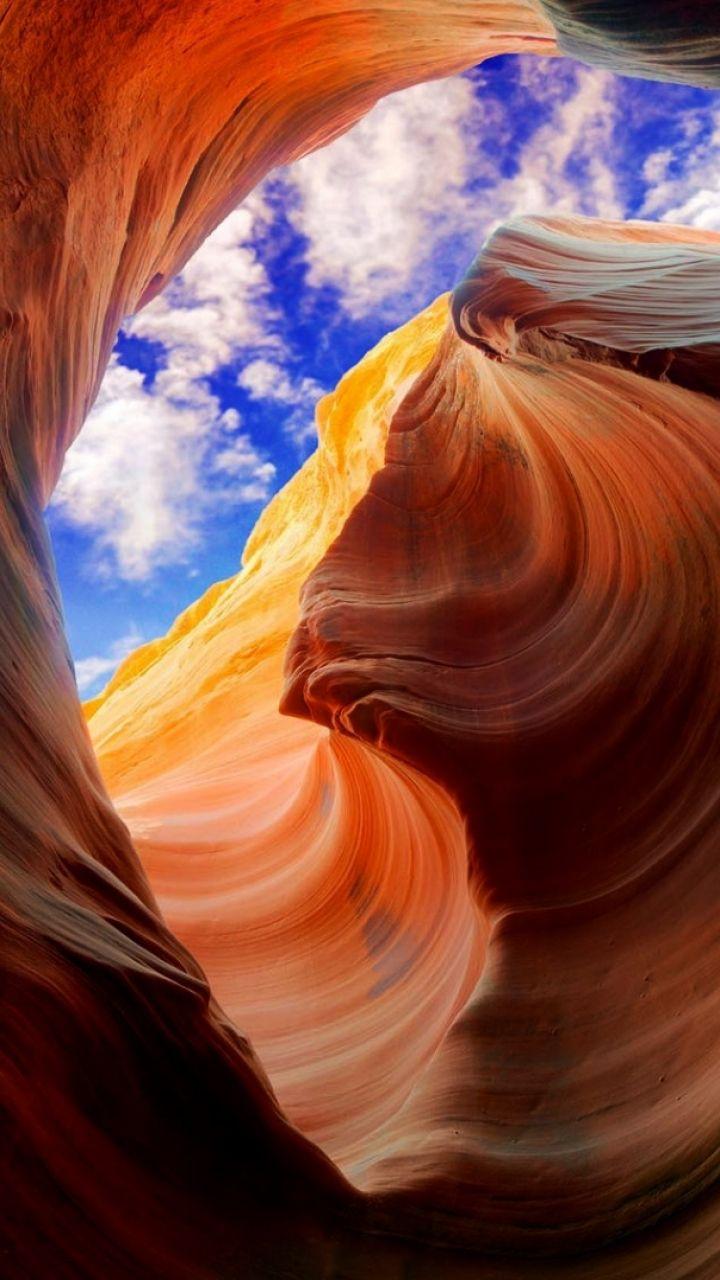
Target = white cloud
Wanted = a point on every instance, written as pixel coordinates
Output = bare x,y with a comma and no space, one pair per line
152,461
218,305
376,204
565,166
149,465
265,379
367,202
684,183
90,671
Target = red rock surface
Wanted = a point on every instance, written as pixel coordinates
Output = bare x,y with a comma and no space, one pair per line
537,659
142,1137
321,885
536,630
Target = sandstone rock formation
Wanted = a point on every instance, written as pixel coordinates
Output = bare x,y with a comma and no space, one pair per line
321,886
510,626
541,642
520,609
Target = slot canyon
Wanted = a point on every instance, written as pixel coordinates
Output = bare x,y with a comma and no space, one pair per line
365,924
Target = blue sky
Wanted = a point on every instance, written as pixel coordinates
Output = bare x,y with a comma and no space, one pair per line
207,407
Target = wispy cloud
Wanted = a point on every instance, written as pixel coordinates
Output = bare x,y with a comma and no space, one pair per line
265,379
566,165
371,205
89,672
156,458
429,166
149,466
683,180
217,307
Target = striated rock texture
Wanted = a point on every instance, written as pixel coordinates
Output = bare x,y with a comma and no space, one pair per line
658,39
509,625
141,1136
322,886
513,637
537,630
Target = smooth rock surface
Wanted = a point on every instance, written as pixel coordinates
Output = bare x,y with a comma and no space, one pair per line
513,633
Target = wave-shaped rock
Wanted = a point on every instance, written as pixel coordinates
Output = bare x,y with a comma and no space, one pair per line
541,671
142,1135
536,630
321,886
519,609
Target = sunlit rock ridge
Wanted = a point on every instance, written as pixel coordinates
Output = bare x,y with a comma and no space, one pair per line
422,805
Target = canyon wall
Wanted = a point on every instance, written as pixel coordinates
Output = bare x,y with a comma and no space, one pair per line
471,926
534,630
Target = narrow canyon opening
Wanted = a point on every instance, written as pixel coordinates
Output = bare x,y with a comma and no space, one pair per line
424,801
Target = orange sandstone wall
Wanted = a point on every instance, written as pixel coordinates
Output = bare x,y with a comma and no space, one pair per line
471,930
322,886
536,629
547,696
142,1137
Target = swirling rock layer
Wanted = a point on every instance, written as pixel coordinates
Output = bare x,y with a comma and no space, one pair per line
322,886
142,1137
542,641
525,684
